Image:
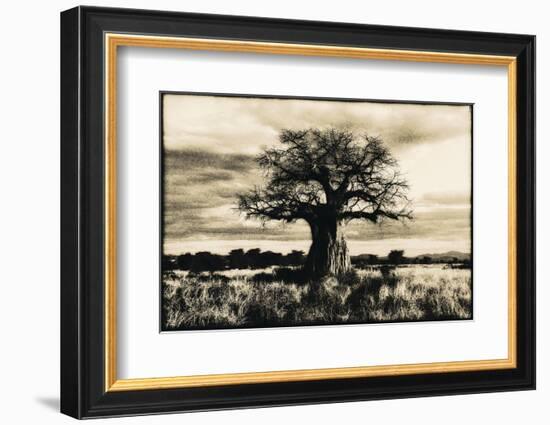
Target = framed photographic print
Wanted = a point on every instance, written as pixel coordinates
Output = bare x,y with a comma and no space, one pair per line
261,212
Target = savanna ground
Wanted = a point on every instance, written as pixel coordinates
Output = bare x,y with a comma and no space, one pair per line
277,296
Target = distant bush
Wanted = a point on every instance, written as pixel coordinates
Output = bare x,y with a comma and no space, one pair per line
236,259
254,259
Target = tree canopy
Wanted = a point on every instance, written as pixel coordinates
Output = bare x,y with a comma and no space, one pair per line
316,173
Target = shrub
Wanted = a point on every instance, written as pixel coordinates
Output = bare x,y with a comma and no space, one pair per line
351,277
387,270
262,277
290,275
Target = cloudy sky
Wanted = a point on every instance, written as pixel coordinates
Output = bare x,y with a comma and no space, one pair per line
210,145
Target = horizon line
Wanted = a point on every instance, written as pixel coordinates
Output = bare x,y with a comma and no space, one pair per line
412,247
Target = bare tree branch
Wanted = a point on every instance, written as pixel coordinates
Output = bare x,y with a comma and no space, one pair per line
332,171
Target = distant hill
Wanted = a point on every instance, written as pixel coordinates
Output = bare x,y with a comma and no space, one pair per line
447,256
443,257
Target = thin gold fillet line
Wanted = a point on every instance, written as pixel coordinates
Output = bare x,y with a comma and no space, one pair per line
110,216
112,41
308,50
307,375
512,213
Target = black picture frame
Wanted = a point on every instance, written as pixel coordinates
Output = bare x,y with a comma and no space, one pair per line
83,392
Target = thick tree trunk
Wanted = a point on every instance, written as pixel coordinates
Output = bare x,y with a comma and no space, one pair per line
328,253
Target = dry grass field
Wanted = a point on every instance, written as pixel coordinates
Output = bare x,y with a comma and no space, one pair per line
277,297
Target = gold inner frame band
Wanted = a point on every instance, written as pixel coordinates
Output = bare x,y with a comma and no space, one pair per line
113,41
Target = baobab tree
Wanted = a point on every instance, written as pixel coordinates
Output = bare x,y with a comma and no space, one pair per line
327,178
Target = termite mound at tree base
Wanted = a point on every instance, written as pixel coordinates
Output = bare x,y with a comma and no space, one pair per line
327,256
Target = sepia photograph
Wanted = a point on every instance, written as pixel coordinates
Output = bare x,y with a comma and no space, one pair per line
280,211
